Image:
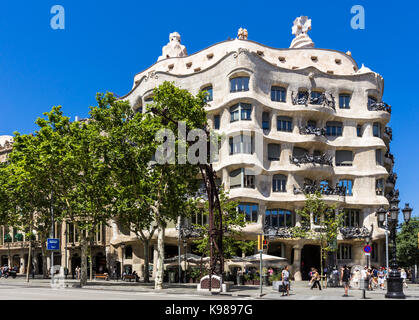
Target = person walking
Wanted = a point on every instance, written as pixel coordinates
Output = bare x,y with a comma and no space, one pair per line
286,280
380,274
345,277
310,274
403,275
316,280
78,273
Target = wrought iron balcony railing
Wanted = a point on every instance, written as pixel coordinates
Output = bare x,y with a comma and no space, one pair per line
379,106
389,132
354,232
392,178
312,130
305,98
277,232
324,190
323,159
390,156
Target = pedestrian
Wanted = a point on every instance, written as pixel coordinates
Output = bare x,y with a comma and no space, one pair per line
310,274
375,278
380,274
403,275
78,273
286,280
316,280
345,277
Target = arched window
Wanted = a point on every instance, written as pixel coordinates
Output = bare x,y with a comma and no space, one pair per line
239,84
210,94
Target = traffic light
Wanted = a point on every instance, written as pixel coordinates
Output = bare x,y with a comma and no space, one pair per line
265,244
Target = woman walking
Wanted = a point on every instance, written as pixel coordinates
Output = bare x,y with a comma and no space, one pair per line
316,280
286,280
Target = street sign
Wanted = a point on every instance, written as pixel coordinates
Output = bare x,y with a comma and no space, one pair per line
367,253
53,244
367,249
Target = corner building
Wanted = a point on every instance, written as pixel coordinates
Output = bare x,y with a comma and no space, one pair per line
320,122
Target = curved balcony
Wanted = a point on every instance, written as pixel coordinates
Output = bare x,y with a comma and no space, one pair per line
308,130
389,159
324,190
391,180
354,232
306,99
379,106
323,159
388,133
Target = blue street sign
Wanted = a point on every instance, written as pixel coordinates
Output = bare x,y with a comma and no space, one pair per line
367,249
53,244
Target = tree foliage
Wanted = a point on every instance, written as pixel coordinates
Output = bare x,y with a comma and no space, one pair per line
407,243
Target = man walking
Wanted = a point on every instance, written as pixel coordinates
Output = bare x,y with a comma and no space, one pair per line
345,278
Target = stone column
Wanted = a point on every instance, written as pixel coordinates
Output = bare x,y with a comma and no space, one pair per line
296,266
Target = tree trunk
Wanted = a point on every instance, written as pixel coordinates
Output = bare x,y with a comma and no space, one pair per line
158,283
83,277
90,259
29,261
45,272
146,261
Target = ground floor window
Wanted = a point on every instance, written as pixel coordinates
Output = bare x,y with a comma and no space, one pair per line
344,252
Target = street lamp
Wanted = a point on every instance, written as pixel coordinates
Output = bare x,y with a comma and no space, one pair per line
122,253
407,212
368,241
185,243
394,281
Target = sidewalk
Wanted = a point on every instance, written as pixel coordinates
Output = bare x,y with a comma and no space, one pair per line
299,290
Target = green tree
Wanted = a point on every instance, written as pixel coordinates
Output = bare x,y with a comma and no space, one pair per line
407,243
327,220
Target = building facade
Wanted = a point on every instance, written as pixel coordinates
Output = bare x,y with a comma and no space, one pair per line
296,121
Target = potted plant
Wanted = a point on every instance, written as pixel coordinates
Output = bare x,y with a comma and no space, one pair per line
256,280
247,279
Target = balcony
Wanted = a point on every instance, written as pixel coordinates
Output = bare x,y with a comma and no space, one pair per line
392,178
389,157
311,130
277,232
323,189
305,98
379,106
354,232
388,132
323,159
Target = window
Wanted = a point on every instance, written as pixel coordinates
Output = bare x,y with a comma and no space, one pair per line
236,179
279,218
128,252
241,144
379,187
311,124
376,129
199,218
274,151
348,185
371,100
249,181
359,130
284,124
344,252
239,84
217,122
279,183
374,251
379,157
242,109
316,97
209,96
251,210
299,152
344,100
344,158
334,129
278,94
265,121
352,218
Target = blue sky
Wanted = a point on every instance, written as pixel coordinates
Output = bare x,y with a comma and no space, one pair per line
105,43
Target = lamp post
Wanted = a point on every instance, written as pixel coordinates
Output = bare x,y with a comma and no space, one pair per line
382,218
368,241
184,252
394,281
